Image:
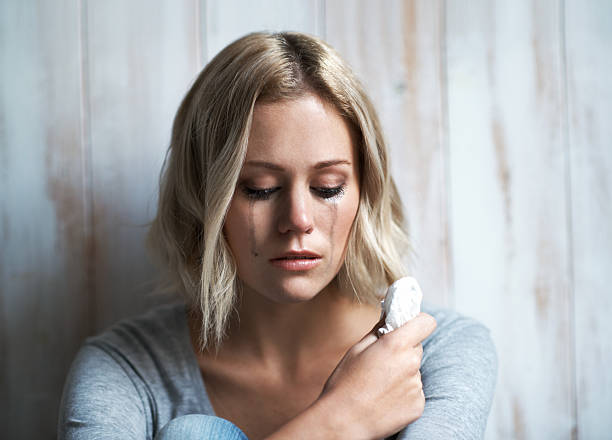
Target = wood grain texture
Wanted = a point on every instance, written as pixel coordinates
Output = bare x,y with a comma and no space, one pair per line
497,115
43,297
141,59
589,84
508,198
228,20
394,47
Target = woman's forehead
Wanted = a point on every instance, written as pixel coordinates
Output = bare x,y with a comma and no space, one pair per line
306,130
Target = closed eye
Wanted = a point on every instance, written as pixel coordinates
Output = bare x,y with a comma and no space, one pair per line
328,193
265,193
259,193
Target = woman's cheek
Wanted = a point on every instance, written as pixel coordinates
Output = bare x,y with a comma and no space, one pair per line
253,248
260,224
346,213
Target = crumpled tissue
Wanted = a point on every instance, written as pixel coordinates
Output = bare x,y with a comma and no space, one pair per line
402,303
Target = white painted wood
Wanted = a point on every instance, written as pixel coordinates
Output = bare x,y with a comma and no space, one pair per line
395,48
88,93
225,21
508,197
43,297
141,59
588,39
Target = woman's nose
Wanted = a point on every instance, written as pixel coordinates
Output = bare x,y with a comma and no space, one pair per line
296,215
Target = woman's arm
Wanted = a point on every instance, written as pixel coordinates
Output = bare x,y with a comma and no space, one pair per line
374,391
459,371
100,401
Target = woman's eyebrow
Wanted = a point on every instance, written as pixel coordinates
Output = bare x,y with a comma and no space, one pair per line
331,163
263,164
318,166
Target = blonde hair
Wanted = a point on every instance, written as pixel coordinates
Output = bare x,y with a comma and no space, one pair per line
206,153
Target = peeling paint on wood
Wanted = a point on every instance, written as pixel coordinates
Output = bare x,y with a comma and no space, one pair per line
503,169
526,235
66,197
519,420
509,228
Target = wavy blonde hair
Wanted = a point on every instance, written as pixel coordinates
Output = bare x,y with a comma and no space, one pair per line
206,153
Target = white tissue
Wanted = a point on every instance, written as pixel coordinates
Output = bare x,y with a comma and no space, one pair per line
402,303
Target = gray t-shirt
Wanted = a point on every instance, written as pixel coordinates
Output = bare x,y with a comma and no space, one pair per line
141,373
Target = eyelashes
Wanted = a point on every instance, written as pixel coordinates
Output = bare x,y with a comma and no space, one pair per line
259,194
330,193
322,192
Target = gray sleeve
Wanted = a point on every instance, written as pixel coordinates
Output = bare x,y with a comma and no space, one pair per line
458,370
100,400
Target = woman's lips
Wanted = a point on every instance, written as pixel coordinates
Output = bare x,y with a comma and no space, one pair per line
296,263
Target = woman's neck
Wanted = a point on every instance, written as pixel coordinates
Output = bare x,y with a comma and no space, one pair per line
287,337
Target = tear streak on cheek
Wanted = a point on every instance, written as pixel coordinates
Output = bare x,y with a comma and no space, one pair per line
334,208
252,242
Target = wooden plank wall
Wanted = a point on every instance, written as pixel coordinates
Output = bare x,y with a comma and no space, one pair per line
588,36
44,297
497,119
139,60
507,154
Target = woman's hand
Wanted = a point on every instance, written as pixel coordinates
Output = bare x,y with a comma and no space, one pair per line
373,392
376,388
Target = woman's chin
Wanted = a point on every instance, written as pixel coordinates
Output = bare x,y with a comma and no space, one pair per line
296,292
293,296
291,290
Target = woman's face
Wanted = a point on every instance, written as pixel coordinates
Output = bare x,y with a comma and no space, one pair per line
295,201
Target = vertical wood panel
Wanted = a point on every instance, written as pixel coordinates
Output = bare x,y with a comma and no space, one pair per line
521,195
43,300
228,20
395,49
141,60
589,67
508,189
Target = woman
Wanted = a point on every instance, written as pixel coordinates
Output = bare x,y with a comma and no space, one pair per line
280,224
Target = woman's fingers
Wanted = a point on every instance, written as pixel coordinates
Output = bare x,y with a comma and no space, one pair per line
369,338
379,324
408,335
413,332
365,342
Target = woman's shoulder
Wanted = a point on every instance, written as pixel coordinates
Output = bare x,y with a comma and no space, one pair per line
134,376
150,346
459,336
451,323
158,327
458,371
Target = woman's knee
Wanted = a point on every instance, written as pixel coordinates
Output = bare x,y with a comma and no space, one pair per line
200,427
